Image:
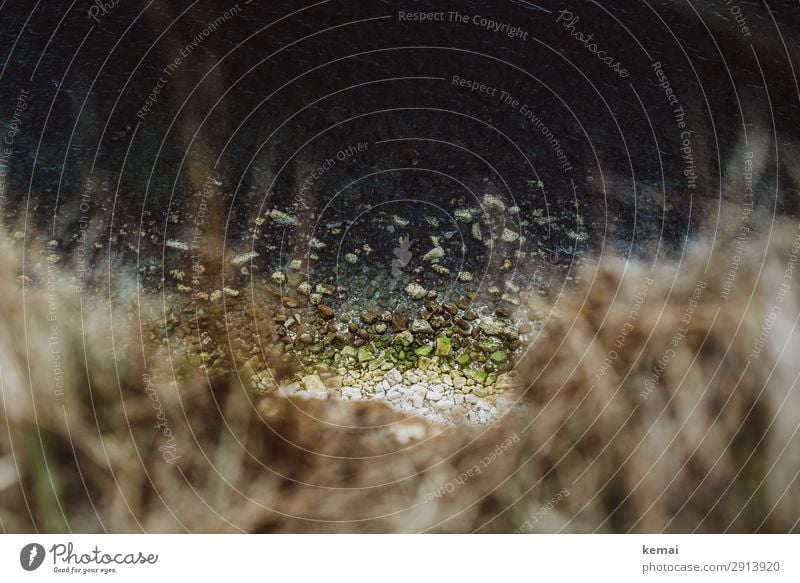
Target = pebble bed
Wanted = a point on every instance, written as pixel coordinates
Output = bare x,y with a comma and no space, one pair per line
440,398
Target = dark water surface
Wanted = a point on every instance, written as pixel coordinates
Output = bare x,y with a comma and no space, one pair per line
170,116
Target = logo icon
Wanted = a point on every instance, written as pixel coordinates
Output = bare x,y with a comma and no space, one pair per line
31,556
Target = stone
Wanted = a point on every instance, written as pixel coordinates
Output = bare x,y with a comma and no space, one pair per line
369,317
325,311
279,277
424,350
433,395
492,202
476,232
498,357
493,327
404,338
415,291
313,384
509,236
304,288
503,312
434,254
351,258
380,328
464,215
365,354
283,219
393,377
444,346
420,326
463,359
464,276
479,375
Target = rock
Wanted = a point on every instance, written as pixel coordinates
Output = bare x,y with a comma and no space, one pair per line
492,202
315,298
423,350
493,327
444,346
306,338
458,381
498,357
279,277
440,269
399,323
313,384
433,395
393,377
380,328
481,391
463,359
325,311
412,379
479,375
509,236
230,292
351,258
445,404
464,215
464,276
369,317
243,258
282,219
295,265
476,232
304,288
315,243
365,354
349,351
351,393
470,315
405,338
503,312
420,326
416,291
434,254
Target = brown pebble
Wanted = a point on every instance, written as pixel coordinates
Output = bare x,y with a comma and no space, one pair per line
503,312
369,317
470,315
399,323
352,327
325,311
452,309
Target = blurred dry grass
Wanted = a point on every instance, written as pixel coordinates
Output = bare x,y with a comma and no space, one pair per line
711,447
